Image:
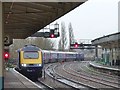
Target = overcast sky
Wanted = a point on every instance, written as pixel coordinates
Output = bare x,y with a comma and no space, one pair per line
93,19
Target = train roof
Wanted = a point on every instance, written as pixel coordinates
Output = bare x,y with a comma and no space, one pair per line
29,48
46,51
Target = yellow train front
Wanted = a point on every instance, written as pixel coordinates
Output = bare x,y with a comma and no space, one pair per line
30,61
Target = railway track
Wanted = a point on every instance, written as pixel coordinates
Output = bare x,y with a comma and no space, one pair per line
72,84
44,86
51,80
93,77
90,69
107,77
75,75
85,79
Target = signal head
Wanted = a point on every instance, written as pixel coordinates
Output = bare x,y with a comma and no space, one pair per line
52,35
6,55
76,45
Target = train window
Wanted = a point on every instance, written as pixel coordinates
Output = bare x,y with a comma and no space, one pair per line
31,55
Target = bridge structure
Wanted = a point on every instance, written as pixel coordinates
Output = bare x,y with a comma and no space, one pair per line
85,44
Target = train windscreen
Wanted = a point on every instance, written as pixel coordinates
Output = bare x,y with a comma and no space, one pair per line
31,55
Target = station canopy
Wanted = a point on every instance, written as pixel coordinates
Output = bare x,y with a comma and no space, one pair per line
22,19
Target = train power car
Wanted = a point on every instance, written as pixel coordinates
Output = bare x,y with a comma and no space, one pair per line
30,61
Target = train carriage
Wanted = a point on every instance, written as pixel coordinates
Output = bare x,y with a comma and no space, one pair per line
70,56
46,56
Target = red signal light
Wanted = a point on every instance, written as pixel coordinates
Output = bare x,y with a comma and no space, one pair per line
52,35
6,55
76,45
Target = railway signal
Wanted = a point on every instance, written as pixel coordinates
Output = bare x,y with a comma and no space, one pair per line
76,45
81,46
52,35
49,32
6,55
54,32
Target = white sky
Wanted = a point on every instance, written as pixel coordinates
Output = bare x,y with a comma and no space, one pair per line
93,19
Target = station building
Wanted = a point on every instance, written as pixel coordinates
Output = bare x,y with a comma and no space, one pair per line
110,48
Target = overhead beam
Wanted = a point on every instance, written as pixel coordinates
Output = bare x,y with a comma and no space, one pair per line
53,5
26,20
29,15
36,6
29,29
19,35
19,8
20,30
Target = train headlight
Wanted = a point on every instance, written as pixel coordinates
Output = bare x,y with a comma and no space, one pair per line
24,65
39,64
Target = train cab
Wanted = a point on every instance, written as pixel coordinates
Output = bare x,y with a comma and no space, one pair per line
30,60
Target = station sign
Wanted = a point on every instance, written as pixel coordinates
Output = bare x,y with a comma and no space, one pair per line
6,40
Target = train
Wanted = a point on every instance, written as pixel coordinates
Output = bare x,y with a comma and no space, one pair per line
31,59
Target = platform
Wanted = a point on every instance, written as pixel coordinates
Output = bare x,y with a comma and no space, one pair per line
12,79
98,65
